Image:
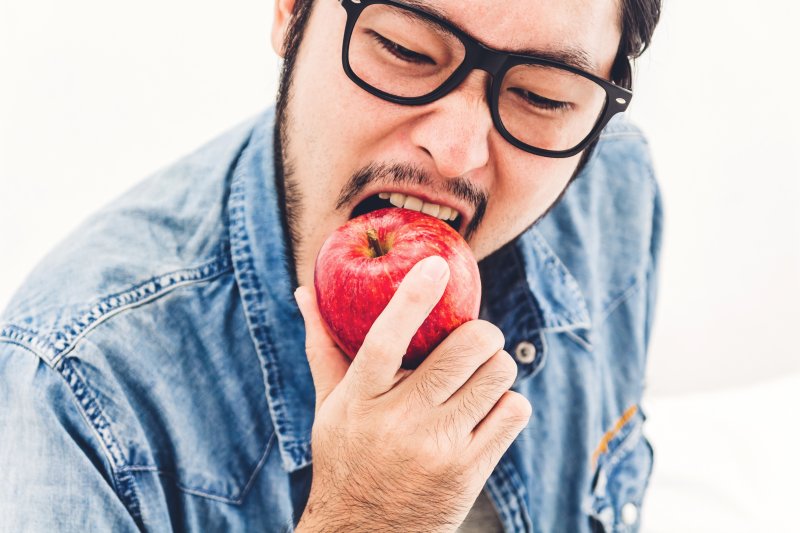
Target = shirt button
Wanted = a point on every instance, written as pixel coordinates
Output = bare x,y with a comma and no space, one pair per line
630,513
525,352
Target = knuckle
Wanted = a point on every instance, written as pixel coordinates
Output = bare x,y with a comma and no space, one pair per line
445,365
422,393
432,449
502,440
450,358
467,348
490,385
372,348
517,410
506,366
482,335
472,405
445,434
360,375
479,399
517,407
370,345
495,447
496,376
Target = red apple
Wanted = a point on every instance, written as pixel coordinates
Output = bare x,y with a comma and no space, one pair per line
361,264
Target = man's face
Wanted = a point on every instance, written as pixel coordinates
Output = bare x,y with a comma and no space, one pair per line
449,150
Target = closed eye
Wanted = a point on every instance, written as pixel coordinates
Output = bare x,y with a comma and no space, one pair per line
400,52
540,101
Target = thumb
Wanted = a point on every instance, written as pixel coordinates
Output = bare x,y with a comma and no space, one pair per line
328,363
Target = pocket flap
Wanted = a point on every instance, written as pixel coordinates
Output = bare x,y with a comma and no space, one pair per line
623,467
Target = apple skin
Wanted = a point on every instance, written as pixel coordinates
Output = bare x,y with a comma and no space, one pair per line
353,286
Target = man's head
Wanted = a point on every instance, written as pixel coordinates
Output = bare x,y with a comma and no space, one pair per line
339,145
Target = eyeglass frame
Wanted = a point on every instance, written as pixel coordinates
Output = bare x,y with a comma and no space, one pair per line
494,62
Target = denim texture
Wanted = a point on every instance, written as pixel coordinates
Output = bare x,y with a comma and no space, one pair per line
153,373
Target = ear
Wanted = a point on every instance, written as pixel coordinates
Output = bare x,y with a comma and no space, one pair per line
280,24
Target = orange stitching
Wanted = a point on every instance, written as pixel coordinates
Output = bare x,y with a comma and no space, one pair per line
603,447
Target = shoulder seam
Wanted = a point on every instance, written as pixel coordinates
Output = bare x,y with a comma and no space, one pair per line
15,340
59,341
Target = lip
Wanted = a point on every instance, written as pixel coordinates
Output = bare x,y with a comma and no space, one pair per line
464,211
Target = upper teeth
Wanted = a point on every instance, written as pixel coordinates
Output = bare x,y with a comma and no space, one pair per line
412,202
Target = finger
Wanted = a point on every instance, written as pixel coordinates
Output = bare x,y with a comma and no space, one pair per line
377,362
327,362
497,431
472,402
452,363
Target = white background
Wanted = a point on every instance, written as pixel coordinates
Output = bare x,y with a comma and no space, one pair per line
96,95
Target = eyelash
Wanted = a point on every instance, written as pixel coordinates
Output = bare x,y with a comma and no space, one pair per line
542,102
400,52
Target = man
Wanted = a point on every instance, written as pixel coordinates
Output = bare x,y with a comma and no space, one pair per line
157,373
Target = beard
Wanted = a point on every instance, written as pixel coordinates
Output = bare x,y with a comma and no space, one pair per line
287,187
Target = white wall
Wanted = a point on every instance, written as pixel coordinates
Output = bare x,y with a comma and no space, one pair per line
719,98
96,95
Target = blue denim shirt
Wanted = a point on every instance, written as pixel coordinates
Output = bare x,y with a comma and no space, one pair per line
153,373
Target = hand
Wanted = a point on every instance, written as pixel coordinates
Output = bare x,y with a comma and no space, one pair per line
403,450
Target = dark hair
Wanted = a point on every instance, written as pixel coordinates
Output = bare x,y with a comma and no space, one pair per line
639,19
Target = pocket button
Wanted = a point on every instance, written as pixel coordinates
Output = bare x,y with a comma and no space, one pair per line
630,514
525,352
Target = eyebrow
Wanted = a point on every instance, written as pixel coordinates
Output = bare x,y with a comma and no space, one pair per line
574,57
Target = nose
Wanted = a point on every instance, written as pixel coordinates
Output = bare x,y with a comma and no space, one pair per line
455,130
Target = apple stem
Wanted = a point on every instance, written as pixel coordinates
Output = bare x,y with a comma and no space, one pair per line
372,236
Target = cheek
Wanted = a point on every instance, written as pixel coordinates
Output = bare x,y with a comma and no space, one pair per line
535,185
526,190
337,126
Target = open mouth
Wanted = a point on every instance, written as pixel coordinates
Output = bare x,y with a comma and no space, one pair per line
379,201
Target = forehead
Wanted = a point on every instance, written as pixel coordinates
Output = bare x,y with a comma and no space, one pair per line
587,26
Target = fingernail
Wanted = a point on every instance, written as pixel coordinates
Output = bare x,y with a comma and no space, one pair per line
434,267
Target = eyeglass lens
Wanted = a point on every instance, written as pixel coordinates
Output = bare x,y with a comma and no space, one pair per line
404,54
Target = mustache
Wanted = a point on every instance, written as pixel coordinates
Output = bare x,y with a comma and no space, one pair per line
408,174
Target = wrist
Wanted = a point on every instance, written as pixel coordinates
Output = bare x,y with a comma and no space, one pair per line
314,520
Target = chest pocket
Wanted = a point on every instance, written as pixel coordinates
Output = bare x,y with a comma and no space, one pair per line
624,462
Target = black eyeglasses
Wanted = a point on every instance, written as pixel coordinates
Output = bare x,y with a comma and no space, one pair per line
407,56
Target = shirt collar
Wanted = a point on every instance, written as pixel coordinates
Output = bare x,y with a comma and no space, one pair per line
527,292
557,292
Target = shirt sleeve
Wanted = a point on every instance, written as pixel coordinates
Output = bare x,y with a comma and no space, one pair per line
55,475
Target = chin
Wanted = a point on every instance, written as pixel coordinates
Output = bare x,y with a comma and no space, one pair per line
482,249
